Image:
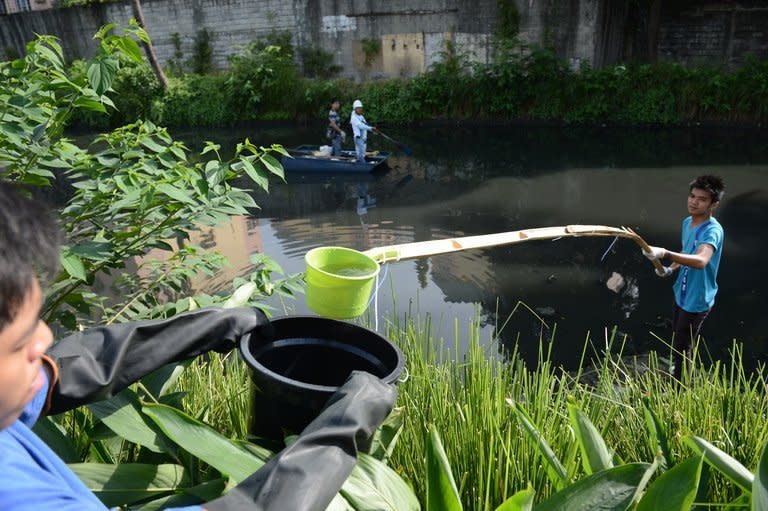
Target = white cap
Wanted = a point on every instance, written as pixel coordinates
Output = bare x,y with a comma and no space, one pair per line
357,104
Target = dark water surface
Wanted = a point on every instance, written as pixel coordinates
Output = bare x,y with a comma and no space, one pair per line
466,180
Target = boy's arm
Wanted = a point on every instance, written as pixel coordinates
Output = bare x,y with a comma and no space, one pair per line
100,362
698,260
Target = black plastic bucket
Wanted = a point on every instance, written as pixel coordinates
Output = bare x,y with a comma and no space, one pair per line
298,362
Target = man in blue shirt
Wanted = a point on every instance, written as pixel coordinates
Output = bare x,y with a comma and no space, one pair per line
38,377
697,264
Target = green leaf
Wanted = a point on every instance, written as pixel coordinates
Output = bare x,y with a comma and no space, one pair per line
101,73
339,503
520,501
72,265
608,490
760,486
55,437
272,165
89,104
675,489
658,434
442,493
256,174
174,193
721,461
94,250
594,453
386,436
373,486
122,415
160,381
555,470
122,484
205,443
130,49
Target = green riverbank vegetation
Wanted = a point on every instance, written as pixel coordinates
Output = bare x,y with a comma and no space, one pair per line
267,80
470,432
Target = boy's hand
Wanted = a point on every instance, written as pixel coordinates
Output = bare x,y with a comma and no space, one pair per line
665,271
655,253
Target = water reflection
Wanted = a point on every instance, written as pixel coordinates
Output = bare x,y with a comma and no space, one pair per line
462,184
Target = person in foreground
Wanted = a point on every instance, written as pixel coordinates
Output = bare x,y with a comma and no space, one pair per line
39,377
697,264
360,129
335,133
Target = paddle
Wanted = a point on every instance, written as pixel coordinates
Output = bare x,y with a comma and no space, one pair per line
404,148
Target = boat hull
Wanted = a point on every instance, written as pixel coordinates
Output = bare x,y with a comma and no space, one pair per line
303,160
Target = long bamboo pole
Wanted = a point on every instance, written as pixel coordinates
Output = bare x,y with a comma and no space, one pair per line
446,246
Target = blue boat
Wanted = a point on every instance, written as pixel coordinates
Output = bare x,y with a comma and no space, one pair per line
305,159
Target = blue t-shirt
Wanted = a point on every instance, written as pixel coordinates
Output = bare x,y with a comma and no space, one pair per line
695,289
33,477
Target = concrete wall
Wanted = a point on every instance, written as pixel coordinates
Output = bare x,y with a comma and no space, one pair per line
385,38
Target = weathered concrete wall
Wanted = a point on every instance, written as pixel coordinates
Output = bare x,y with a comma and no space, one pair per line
715,33
378,38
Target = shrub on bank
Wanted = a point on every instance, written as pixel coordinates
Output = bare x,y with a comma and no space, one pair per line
264,83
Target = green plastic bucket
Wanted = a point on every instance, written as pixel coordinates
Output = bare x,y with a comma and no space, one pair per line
339,281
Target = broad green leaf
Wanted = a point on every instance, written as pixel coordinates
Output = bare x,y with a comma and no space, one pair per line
204,492
205,443
760,486
94,250
72,265
658,434
174,193
55,437
640,490
160,381
122,414
520,501
555,470
594,453
339,503
721,461
90,104
373,486
256,174
101,74
127,483
442,493
675,489
130,48
608,490
386,436
273,165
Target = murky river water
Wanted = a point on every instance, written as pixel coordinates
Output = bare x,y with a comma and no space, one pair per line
468,180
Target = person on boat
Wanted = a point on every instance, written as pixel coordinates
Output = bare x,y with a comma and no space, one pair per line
360,129
697,264
38,378
335,133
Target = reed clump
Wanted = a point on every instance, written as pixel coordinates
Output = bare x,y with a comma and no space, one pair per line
467,400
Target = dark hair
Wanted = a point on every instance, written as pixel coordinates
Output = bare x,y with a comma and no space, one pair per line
335,100
29,247
712,184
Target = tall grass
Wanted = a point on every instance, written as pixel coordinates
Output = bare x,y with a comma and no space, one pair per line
467,400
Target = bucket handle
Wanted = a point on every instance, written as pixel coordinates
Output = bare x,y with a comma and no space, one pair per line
407,374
